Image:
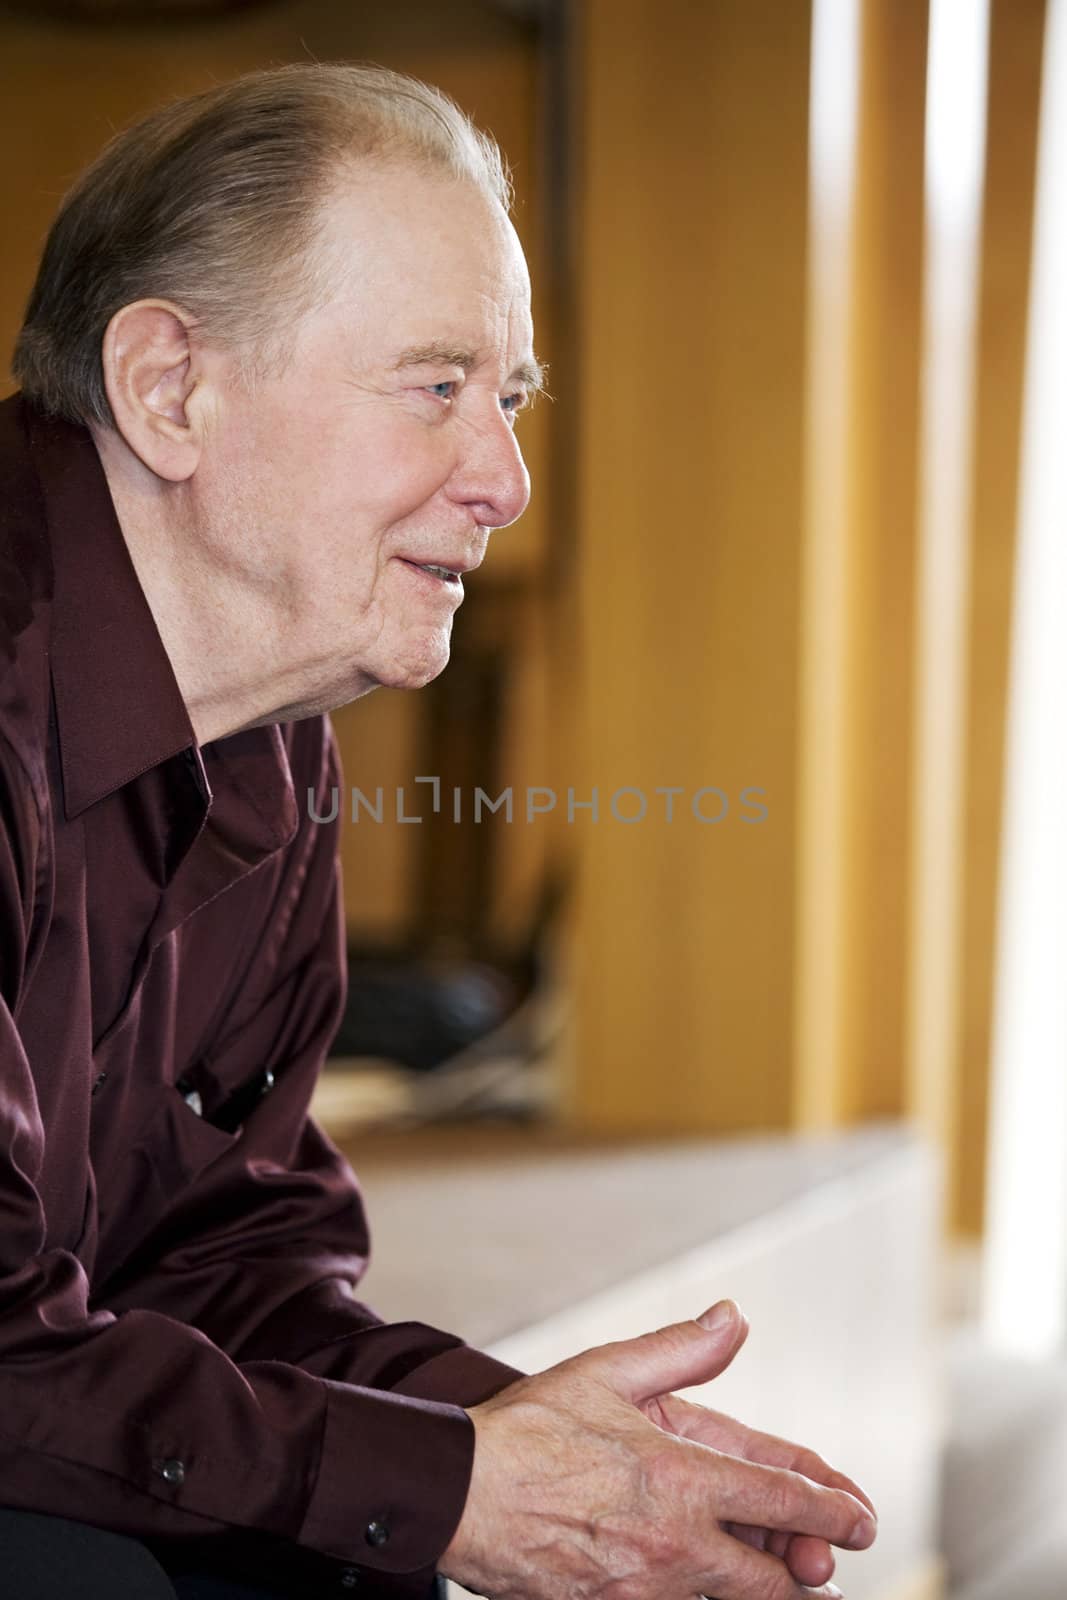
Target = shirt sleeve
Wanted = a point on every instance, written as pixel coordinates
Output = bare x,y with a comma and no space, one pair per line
235,1381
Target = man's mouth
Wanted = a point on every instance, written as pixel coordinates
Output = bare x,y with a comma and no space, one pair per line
445,574
438,572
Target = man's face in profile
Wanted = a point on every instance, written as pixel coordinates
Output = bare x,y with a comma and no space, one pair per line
387,444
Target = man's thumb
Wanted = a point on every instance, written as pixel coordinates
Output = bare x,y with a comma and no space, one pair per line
677,1357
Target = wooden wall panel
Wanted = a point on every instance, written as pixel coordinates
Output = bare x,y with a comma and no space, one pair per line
1017,34
859,574
691,255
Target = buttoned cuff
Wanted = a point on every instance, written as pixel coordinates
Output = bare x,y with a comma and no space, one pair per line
392,1481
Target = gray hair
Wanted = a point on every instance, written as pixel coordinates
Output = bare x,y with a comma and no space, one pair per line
214,202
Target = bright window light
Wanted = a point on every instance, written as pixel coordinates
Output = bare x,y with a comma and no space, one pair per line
1025,1288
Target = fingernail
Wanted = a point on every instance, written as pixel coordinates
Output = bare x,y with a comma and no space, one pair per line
864,1532
832,1592
719,1315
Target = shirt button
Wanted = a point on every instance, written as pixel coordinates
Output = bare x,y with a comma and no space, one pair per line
350,1578
376,1533
190,1095
171,1469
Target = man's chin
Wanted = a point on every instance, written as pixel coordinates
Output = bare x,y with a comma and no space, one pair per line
415,671
409,669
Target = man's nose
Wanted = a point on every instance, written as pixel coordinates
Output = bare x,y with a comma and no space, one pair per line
492,479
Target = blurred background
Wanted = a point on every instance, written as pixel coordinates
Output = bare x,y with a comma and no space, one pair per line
758,982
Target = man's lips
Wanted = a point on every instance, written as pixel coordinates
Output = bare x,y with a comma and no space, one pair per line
456,567
442,572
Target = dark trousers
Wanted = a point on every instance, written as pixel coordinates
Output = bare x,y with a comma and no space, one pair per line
49,1558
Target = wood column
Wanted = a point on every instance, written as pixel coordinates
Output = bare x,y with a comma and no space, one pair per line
857,601
691,248
1016,45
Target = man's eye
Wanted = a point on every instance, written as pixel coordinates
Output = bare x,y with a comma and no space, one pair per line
513,403
449,384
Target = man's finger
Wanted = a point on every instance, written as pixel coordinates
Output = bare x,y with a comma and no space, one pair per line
752,1574
675,1357
811,1561
769,1497
715,1428
774,1452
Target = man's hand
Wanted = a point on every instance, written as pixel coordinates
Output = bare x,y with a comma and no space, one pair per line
591,1481
810,1560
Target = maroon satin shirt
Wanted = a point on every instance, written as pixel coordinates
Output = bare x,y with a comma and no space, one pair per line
181,1350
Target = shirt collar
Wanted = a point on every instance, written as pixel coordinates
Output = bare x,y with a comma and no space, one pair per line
119,710
118,706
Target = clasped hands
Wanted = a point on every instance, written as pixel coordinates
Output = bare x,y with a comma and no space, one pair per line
594,1481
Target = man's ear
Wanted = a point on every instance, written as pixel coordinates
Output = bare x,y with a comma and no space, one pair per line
150,373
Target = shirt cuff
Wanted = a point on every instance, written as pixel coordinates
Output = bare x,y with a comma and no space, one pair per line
393,1479
463,1376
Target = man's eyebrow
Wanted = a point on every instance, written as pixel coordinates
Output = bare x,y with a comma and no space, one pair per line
439,354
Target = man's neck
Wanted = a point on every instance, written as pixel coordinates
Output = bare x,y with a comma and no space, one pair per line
225,644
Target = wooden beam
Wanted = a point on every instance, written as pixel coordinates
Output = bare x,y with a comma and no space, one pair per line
857,605
955,164
692,244
1017,32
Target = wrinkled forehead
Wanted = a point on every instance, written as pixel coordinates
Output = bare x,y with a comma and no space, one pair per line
420,257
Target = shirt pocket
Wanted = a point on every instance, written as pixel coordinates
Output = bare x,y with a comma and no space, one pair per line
163,1179
173,1150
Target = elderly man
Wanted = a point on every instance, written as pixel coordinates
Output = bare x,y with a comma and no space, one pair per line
270,374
